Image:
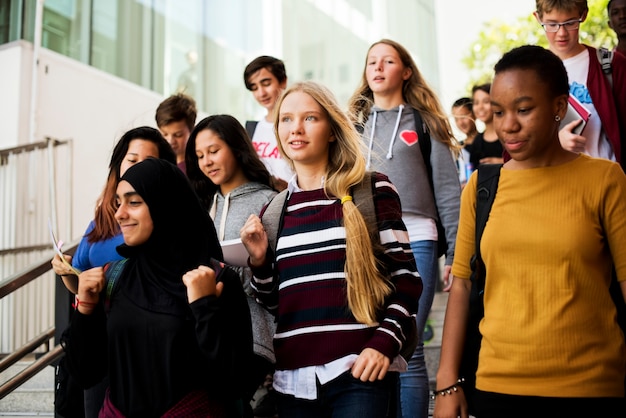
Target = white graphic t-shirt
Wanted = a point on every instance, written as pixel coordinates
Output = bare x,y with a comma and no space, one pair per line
266,146
577,69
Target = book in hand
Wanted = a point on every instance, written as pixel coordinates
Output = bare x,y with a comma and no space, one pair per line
576,111
235,253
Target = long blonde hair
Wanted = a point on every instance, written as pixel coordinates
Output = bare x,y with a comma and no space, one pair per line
415,91
367,287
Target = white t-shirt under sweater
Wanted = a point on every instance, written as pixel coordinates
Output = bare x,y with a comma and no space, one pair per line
266,146
577,69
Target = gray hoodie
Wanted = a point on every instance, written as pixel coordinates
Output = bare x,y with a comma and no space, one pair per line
229,213
393,149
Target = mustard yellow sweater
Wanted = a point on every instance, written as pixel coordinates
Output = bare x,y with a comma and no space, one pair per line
549,327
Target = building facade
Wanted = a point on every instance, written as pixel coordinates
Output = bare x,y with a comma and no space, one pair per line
85,71
104,65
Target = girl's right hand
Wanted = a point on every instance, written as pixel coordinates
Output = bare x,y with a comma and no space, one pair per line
90,284
254,238
59,267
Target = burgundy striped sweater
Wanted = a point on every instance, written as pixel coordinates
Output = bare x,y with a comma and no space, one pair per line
306,283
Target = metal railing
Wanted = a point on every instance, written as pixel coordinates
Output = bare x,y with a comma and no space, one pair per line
29,293
33,189
50,356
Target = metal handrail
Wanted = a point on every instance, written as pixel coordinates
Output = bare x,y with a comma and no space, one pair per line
18,280
7,287
30,371
31,146
29,347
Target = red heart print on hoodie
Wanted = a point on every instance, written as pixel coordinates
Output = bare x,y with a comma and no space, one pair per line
409,137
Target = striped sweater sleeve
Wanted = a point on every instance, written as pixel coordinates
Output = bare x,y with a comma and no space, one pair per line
398,262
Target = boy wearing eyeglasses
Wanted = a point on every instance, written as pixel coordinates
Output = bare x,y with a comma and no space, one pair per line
605,131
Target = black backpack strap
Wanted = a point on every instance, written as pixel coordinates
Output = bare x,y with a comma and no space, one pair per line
424,143
251,127
112,272
486,188
425,147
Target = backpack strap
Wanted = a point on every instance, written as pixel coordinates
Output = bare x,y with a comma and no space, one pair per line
112,272
362,193
605,57
424,143
425,147
251,127
486,188
272,218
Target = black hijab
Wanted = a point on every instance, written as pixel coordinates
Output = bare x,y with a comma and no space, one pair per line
183,238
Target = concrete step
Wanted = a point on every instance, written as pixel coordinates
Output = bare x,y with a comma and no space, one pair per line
33,398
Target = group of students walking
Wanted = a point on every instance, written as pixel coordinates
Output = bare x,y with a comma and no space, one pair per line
333,300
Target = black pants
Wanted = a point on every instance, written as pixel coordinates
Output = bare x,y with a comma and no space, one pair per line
497,405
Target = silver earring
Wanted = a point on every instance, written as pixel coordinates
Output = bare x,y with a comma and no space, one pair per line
557,118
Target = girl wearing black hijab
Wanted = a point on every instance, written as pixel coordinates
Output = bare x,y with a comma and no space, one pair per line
176,330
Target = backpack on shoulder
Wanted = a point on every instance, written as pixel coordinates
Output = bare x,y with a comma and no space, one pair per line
486,188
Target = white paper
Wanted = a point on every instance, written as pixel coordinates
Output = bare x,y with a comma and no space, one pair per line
56,244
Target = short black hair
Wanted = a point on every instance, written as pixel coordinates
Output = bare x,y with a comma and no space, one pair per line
273,65
545,63
465,102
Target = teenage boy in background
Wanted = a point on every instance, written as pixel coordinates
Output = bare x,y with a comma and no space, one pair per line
266,78
175,118
605,131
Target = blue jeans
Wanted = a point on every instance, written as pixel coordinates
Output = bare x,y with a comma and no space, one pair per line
344,397
414,389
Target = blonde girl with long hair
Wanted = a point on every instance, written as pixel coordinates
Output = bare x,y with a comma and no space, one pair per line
408,137
343,309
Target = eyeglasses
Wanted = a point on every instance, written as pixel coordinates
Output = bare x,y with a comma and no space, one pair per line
552,27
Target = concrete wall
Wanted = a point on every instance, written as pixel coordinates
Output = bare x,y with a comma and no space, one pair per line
75,102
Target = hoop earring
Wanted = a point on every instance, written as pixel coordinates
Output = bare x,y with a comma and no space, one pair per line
557,118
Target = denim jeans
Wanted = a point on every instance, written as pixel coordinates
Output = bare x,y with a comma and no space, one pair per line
414,389
344,397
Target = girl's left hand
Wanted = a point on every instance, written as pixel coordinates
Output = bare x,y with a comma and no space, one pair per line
200,282
371,365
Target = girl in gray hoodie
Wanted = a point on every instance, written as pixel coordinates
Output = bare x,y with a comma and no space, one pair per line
233,183
397,110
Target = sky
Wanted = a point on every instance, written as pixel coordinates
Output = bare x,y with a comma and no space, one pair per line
456,31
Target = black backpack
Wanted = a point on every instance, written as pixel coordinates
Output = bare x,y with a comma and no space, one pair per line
486,188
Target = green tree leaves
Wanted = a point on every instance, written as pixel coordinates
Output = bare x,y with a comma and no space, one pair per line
498,37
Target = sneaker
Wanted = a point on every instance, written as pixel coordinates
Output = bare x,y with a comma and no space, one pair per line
429,332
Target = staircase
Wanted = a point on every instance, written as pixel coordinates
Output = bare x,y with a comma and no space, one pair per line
33,399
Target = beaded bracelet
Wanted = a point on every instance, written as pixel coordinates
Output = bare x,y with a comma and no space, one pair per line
449,390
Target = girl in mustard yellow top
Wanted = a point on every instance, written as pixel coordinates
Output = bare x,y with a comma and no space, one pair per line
551,345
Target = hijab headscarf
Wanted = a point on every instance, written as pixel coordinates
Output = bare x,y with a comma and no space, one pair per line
183,238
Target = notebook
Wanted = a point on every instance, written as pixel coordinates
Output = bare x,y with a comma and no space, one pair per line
576,111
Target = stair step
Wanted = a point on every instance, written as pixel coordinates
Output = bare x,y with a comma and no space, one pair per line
33,398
